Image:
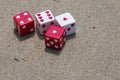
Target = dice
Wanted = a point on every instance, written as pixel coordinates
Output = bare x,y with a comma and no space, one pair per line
44,20
67,22
24,23
55,37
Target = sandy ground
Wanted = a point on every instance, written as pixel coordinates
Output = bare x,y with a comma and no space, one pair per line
92,54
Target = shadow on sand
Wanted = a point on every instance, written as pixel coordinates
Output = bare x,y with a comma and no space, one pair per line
22,38
41,37
72,36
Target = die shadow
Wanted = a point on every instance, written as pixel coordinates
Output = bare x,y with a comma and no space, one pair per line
54,51
72,36
39,35
22,38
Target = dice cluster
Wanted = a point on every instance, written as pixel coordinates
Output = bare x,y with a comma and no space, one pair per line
54,29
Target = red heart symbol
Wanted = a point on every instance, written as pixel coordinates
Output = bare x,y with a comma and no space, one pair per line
64,19
38,14
42,20
43,26
40,17
51,23
68,29
47,12
50,17
73,24
44,32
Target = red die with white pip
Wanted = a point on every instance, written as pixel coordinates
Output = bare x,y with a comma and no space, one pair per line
44,20
66,21
55,37
24,23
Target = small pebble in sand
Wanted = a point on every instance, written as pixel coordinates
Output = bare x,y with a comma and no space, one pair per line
93,27
16,59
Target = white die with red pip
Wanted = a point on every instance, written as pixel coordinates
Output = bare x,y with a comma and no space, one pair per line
55,37
24,23
66,21
44,20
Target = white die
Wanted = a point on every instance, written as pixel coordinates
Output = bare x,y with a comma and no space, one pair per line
67,21
44,20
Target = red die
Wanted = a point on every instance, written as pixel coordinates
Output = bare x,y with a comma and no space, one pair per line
55,37
24,23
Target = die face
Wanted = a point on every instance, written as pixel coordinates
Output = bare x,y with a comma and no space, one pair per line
55,32
23,18
51,42
24,23
44,17
54,43
54,37
67,22
65,19
70,29
44,20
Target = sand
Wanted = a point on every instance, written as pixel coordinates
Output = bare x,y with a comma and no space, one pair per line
92,54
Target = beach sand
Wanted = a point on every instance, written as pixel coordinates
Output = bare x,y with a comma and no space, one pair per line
93,53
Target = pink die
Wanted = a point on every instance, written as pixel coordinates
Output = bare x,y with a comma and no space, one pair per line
24,23
55,37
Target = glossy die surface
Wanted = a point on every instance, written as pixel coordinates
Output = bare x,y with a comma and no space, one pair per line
55,37
44,20
66,21
24,23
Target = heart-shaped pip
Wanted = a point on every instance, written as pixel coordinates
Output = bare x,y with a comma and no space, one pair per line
68,29
64,18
